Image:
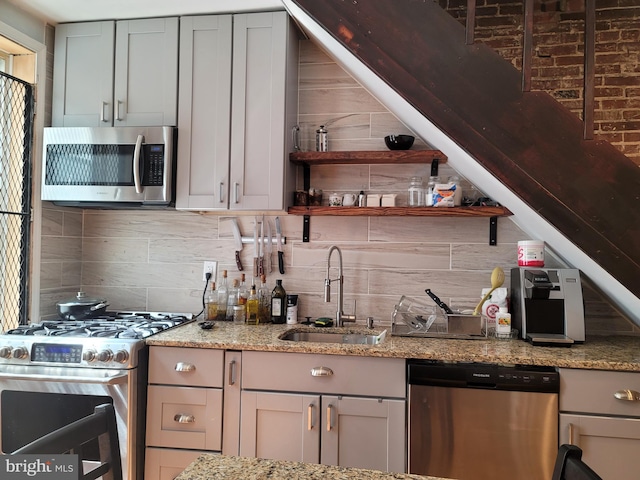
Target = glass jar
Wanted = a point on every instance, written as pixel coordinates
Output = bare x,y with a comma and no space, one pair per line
416,192
431,186
457,196
239,313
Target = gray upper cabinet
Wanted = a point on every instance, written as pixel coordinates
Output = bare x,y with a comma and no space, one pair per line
238,105
122,73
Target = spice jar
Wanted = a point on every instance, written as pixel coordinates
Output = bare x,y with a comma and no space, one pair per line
416,192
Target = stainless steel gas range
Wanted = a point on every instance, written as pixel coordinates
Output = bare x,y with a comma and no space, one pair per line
57,371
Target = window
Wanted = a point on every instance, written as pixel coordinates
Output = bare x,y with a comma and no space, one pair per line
16,119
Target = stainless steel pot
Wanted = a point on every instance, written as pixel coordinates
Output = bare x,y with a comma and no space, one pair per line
81,307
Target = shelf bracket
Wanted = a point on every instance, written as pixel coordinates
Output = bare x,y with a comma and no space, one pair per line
493,231
305,228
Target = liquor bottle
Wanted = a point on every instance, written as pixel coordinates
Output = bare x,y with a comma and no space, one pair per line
264,301
223,295
211,311
278,303
253,305
232,299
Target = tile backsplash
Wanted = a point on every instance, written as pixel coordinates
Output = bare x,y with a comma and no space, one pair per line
153,260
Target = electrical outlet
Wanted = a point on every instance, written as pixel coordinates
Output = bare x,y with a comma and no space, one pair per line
209,267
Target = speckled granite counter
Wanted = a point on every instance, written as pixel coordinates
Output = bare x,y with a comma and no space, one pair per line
601,353
217,467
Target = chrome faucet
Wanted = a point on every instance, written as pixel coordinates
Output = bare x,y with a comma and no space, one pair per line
341,317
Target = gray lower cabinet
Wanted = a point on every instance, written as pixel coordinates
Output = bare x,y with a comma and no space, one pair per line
237,108
600,413
355,416
116,73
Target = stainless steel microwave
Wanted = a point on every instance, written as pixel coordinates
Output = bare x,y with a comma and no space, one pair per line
113,167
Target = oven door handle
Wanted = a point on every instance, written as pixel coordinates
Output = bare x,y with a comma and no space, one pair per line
110,380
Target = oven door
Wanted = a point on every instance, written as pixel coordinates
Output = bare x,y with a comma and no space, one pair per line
37,400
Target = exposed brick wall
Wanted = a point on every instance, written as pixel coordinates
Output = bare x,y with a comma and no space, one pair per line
558,59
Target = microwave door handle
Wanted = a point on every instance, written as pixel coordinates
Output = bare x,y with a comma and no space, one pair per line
136,164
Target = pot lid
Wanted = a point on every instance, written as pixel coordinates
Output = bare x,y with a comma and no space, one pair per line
81,299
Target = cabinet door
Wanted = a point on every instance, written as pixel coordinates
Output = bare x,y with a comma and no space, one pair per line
262,47
167,464
280,426
204,112
363,433
231,413
609,445
146,72
83,75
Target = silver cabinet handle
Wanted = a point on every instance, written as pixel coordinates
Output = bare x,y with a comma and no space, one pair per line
627,395
236,187
185,367
103,116
221,195
310,417
571,434
329,409
181,418
232,372
116,114
321,372
295,137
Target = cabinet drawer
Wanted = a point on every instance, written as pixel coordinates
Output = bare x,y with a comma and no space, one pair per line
167,464
292,372
592,391
184,417
186,366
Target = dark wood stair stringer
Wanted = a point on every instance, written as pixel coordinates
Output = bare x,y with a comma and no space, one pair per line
587,189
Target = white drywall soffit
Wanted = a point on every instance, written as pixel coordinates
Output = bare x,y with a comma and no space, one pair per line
524,216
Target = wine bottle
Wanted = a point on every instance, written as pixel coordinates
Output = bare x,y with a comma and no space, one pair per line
223,295
278,303
252,306
212,303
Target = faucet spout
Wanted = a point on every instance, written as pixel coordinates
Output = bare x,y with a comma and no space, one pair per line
341,317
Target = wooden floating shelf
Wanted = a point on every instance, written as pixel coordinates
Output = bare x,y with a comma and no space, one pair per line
377,157
402,211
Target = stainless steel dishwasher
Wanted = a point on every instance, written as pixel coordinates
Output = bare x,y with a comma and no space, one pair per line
476,421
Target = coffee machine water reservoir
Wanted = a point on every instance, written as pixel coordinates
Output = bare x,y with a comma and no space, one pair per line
547,306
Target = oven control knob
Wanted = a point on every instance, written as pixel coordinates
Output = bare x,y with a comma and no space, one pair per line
5,352
121,356
20,352
89,355
105,355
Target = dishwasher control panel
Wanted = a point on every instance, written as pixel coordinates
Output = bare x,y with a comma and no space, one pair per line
482,375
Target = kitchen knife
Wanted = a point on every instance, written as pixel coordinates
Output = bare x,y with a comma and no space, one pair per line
269,247
238,239
279,244
439,302
261,254
255,247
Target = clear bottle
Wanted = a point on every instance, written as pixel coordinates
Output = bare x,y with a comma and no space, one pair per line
457,196
211,312
232,298
416,192
431,186
253,306
223,295
264,301
278,303
243,291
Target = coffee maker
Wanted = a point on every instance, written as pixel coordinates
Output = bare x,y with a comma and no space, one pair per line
547,306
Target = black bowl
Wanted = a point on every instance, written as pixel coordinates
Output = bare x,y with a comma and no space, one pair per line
399,142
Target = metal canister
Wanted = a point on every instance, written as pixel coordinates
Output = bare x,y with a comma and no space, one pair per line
322,139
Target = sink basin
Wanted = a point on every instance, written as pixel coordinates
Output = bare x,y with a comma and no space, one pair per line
334,337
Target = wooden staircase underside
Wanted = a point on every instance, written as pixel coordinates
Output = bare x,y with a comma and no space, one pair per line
587,189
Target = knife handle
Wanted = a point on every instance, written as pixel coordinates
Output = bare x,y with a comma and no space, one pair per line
281,262
238,261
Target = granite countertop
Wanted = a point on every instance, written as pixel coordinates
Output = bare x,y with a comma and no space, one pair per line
620,353
216,467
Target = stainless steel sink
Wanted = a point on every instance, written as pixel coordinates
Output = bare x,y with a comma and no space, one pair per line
334,337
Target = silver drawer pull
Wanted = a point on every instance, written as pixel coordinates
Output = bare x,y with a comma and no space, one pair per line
321,372
628,395
185,367
180,418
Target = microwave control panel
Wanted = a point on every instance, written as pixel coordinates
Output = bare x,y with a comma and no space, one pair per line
153,165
